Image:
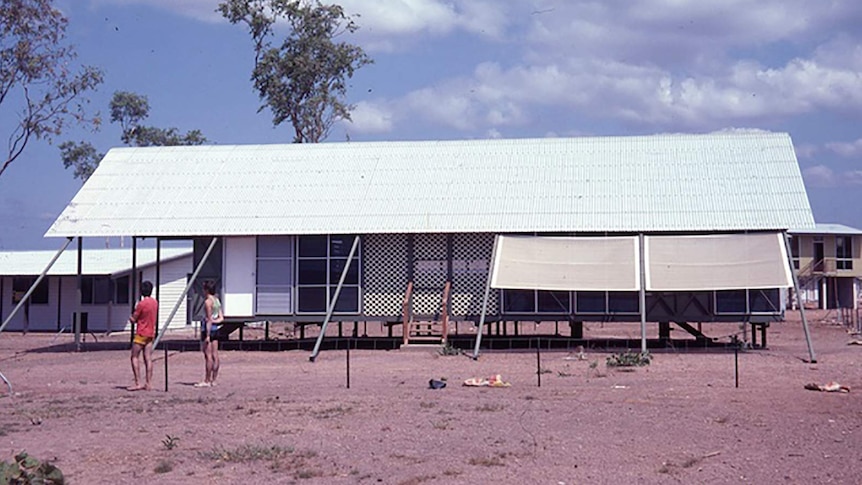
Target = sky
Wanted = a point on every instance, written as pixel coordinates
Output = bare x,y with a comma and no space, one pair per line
474,69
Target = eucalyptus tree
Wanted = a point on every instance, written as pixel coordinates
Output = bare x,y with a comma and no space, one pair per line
302,77
128,110
39,81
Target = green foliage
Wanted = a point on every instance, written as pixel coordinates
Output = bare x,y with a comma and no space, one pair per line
629,359
448,349
37,78
129,110
302,79
170,442
27,470
81,156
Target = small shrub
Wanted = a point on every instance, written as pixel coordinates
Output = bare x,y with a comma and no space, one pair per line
170,442
164,466
26,470
448,349
629,359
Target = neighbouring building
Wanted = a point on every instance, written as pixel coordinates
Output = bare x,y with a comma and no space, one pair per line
828,262
106,287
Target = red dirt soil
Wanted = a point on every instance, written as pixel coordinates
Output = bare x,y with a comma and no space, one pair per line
275,417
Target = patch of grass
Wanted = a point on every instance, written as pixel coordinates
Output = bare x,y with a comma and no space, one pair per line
418,480
452,473
247,453
448,350
490,408
530,398
487,461
333,412
629,359
427,404
164,466
306,474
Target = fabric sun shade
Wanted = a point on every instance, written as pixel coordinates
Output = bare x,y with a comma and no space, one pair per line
716,262
566,263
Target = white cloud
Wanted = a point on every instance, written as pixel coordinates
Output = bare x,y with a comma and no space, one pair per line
819,176
370,118
845,149
806,150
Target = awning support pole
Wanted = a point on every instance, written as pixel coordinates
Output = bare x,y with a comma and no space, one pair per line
77,323
185,292
642,292
811,357
35,284
331,308
491,264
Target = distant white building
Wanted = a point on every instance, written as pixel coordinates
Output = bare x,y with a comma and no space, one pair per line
106,298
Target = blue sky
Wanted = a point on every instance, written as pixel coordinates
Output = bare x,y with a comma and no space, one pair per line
467,69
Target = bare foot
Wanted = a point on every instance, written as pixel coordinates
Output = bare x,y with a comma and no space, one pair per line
136,387
202,384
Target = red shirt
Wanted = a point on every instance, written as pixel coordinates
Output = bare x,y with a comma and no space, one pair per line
145,316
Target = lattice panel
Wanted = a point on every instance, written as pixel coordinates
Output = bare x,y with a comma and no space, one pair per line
471,254
384,269
430,270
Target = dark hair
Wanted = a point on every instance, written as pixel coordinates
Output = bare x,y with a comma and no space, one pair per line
209,287
146,288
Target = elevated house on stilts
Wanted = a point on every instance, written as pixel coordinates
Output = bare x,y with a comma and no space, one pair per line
682,230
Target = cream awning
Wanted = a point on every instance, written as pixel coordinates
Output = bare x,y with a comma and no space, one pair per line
672,263
716,262
567,263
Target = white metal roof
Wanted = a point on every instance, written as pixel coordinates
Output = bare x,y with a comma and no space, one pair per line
823,229
715,182
93,261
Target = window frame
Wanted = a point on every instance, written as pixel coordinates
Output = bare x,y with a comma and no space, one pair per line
352,284
41,294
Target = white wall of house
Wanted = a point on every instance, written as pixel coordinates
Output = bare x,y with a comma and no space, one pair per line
63,295
173,277
238,286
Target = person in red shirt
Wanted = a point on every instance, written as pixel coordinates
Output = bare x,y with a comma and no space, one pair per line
144,317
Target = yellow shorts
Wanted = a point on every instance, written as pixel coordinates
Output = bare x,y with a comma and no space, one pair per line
141,340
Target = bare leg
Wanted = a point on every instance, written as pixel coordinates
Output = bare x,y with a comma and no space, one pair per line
215,361
207,366
148,364
136,352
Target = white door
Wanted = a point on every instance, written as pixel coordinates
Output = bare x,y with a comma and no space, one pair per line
239,276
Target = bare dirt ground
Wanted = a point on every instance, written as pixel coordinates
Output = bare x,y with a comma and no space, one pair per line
275,417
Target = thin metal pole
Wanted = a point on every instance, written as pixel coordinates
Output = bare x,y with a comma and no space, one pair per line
538,362
185,292
134,282
736,363
491,264
334,299
811,357
158,273
35,284
166,367
348,363
642,292
78,297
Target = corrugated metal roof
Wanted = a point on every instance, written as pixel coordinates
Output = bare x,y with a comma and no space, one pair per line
715,182
837,229
93,261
